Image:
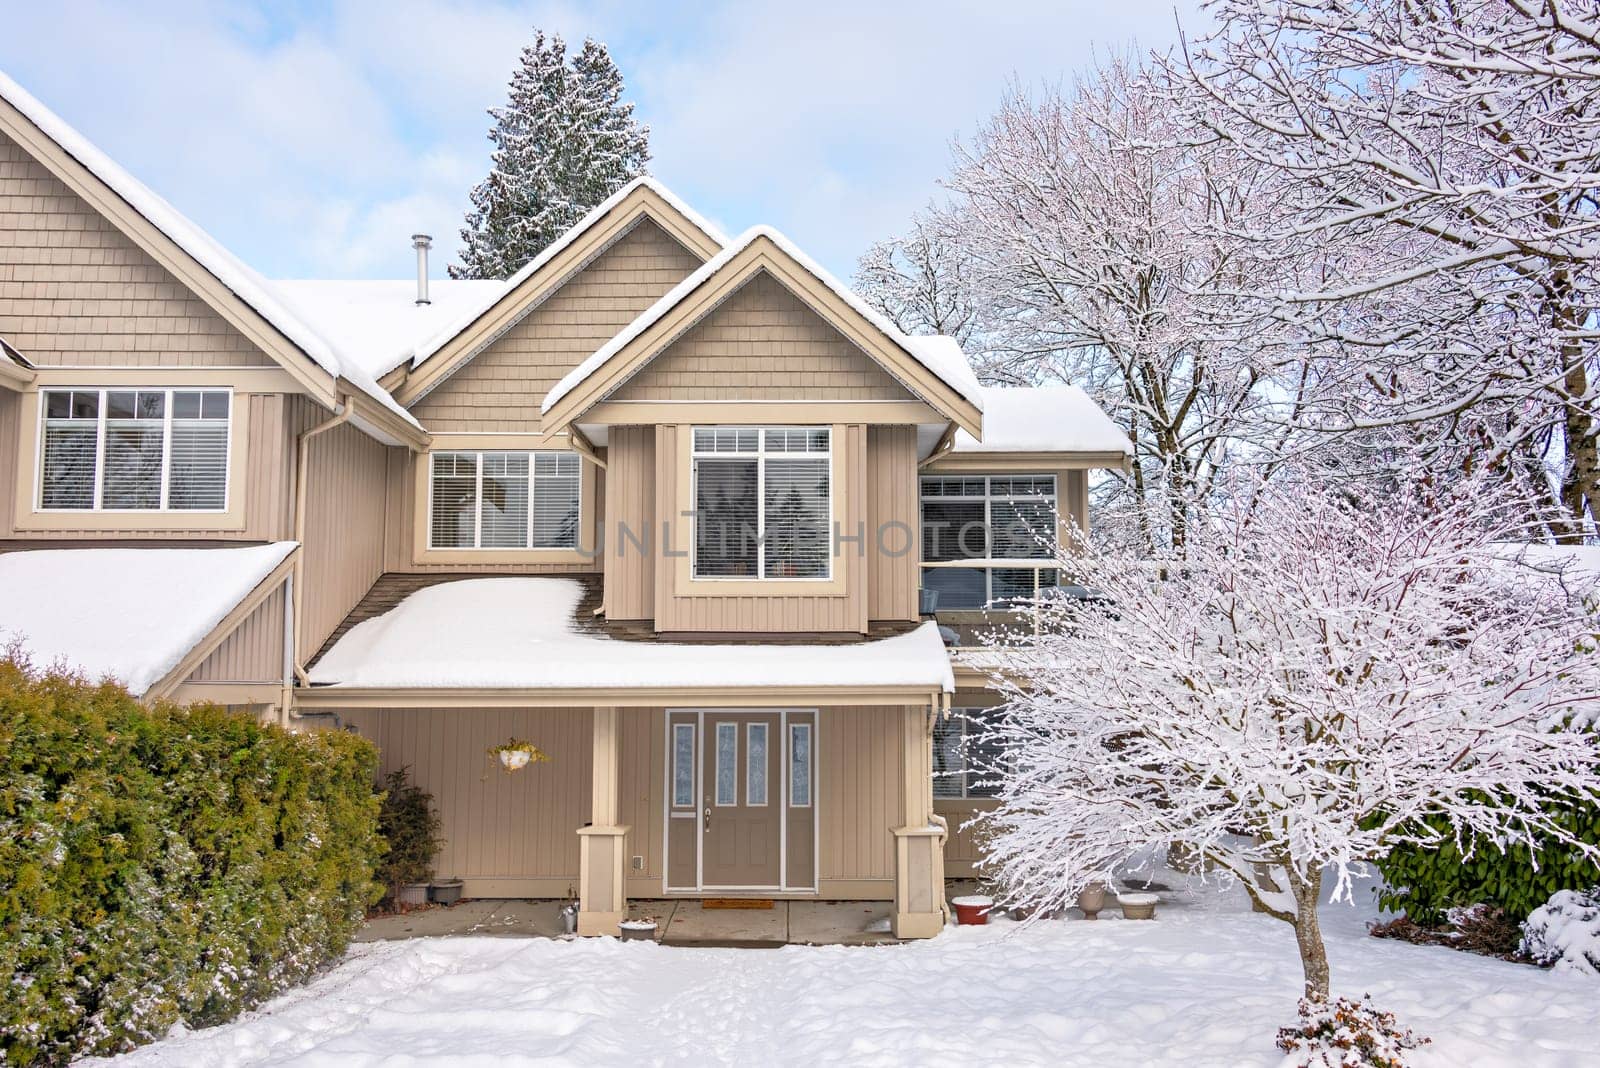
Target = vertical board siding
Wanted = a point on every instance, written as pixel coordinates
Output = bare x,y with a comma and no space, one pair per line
10,450
500,389
630,504
253,652
75,290
268,487
892,489
762,343
496,824
701,613
642,789
344,524
860,777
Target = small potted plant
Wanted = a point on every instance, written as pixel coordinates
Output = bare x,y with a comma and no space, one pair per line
515,754
642,929
407,822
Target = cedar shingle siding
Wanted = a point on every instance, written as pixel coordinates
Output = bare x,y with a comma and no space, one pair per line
500,389
75,290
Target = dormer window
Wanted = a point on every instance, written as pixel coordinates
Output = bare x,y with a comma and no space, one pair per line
134,450
763,501
504,500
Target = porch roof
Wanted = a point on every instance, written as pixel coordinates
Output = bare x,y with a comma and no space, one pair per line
520,633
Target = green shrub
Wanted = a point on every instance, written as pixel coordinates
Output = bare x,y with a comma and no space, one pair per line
164,865
410,828
1425,883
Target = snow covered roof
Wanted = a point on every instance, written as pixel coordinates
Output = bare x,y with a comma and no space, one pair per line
459,323
379,324
1043,419
245,283
940,355
518,633
112,612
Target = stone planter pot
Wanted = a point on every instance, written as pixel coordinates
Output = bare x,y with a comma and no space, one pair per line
413,894
1091,899
1138,906
445,891
638,930
972,911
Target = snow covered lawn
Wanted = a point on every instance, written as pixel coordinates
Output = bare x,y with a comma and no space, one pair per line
1206,984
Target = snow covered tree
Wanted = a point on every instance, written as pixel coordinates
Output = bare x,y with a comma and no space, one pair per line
920,283
1445,159
563,142
1328,673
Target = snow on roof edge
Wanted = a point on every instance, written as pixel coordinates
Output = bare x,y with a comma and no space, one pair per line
1059,417
433,344
223,265
958,376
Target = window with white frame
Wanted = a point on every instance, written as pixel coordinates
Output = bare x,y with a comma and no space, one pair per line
763,502
504,500
984,518
134,450
965,765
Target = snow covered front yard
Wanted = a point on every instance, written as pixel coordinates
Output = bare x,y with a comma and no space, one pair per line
1206,984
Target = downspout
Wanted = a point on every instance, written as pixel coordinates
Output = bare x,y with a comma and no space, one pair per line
341,415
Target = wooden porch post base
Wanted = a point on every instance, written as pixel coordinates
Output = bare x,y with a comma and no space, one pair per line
919,882
602,877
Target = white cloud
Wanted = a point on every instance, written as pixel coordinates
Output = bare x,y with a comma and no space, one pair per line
315,143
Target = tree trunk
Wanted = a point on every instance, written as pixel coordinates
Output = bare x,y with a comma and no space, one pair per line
1308,934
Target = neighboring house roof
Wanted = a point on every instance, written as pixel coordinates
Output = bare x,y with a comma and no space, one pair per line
518,633
200,246
114,613
379,323
712,235
610,365
1043,419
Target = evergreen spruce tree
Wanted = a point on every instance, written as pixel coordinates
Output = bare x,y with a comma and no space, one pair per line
563,142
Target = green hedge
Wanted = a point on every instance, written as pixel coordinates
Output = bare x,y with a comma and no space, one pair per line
1423,883
165,865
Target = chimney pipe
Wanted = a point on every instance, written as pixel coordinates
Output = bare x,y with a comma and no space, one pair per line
422,243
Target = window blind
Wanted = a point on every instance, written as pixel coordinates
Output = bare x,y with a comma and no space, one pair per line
763,502
504,500
975,517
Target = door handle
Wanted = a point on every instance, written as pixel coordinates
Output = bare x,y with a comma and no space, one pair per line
707,826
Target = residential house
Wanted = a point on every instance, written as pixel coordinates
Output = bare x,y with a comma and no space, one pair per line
663,503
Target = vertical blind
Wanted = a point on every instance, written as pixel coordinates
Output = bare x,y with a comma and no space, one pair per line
135,450
504,500
763,502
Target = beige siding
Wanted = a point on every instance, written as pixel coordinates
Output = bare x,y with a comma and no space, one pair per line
678,611
762,343
253,652
642,793
75,290
630,506
501,388
344,528
860,774
10,449
269,441
892,522
961,852
505,833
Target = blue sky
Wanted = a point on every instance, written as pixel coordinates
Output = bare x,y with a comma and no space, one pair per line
313,138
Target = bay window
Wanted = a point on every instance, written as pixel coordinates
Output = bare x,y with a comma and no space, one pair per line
763,502
504,500
986,519
134,450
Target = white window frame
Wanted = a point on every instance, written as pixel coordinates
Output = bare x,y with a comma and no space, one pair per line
100,451
988,497
477,545
761,454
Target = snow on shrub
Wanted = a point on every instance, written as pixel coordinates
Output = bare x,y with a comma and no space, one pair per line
1564,933
165,865
1346,1034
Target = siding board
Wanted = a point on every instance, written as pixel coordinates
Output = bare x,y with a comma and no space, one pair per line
253,652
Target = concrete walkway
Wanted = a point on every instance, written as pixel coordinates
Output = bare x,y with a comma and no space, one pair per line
679,922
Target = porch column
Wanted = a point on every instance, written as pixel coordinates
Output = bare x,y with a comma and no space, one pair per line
919,910
601,900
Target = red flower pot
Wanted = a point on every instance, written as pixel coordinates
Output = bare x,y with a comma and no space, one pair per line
972,911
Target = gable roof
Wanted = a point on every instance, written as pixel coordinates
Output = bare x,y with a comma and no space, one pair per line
932,367
441,355
192,243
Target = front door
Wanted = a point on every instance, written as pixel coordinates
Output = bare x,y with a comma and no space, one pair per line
742,799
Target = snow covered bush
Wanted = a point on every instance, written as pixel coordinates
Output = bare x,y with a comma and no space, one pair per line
1346,1034
1565,932
165,865
1329,672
